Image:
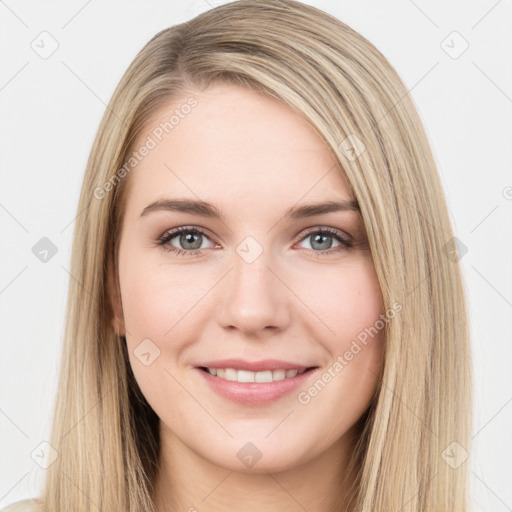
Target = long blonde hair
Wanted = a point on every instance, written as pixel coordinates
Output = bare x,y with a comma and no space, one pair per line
419,422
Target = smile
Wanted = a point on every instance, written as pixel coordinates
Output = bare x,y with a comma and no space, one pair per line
255,388
248,376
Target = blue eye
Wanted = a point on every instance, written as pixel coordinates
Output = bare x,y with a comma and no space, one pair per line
321,238
191,239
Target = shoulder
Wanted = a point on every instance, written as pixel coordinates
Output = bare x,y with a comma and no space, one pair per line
29,505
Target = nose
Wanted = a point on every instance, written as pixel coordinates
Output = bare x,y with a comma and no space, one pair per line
253,298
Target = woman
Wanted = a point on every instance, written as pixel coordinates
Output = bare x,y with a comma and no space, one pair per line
265,313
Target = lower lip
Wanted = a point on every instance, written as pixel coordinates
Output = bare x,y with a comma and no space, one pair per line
255,393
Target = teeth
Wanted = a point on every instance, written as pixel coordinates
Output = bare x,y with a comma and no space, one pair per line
247,376
230,374
265,376
278,374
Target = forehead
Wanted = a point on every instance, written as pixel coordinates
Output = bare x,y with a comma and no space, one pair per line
233,145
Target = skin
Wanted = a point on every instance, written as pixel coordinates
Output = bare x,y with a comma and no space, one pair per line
253,158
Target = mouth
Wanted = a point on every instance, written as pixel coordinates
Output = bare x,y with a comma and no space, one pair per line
266,382
247,376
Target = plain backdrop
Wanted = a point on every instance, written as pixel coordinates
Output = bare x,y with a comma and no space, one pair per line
455,58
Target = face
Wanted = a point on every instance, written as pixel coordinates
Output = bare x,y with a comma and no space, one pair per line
269,292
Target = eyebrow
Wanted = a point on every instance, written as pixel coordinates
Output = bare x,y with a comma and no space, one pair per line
209,210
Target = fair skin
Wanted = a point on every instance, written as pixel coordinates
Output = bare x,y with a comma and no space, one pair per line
252,158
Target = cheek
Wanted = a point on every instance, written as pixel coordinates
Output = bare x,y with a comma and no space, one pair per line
155,297
349,303
352,331
154,301
160,304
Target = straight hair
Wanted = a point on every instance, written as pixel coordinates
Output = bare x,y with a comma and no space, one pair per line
105,432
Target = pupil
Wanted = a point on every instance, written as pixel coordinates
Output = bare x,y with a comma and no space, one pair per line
318,237
189,238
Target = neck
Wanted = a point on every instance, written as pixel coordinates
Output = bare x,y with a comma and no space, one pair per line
186,481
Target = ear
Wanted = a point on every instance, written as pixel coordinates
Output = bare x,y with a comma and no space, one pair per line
114,293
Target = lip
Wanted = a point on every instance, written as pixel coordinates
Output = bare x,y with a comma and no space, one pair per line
254,366
254,393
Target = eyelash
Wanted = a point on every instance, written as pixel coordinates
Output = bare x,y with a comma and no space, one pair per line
164,240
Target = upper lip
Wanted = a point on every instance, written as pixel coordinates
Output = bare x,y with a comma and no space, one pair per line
253,366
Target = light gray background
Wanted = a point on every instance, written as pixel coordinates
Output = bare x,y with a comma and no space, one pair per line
50,111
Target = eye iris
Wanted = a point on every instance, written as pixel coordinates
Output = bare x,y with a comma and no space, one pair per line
320,238
189,238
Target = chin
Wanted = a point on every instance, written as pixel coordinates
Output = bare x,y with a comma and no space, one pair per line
259,457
